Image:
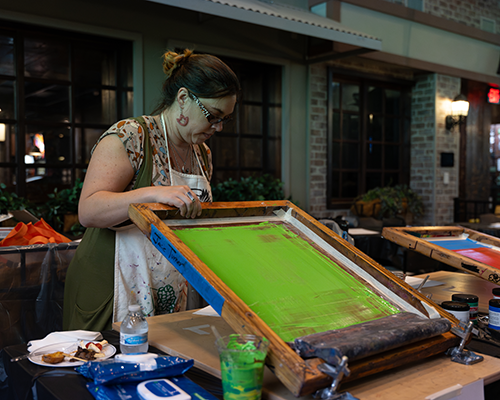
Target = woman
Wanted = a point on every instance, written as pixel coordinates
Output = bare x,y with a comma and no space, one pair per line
159,158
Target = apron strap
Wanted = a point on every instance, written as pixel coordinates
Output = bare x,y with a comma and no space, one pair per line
145,173
204,157
146,169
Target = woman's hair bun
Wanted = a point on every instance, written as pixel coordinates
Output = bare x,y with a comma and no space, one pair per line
173,60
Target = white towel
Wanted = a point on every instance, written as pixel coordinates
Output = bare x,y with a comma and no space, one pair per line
64,336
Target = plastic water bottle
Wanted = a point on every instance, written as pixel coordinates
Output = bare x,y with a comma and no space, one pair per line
134,332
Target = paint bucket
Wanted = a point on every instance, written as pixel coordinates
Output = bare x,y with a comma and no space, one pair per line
494,316
458,309
472,300
496,292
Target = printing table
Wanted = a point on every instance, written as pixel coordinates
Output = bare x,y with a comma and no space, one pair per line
189,335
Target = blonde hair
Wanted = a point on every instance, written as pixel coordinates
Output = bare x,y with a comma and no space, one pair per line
173,60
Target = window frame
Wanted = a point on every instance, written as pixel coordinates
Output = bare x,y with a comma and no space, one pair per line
124,83
236,129
364,82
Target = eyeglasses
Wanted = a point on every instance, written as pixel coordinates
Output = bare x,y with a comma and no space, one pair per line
212,119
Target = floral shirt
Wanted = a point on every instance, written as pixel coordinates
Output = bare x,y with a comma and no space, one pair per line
130,133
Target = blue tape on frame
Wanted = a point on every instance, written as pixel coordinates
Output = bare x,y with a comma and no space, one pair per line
464,244
187,270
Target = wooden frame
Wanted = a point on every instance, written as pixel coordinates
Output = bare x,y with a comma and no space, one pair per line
406,237
300,376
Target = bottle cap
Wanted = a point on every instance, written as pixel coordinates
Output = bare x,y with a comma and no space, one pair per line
455,306
494,303
134,307
496,291
465,298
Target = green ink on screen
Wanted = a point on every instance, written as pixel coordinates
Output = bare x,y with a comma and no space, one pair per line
294,288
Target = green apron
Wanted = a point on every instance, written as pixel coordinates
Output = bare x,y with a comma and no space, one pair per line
89,286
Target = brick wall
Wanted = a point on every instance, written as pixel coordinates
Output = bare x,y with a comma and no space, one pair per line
318,141
467,12
446,89
423,144
431,101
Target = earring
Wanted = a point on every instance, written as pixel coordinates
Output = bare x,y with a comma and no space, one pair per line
182,120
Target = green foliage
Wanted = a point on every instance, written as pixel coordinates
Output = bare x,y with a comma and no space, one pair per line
265,187
393,199
62,202
12,202
59,203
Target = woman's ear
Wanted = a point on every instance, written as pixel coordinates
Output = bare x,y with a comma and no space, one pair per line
182,96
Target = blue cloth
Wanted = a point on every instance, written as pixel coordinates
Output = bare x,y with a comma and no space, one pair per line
111,371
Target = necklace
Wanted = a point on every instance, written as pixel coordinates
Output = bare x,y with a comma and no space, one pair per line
189,157
175,152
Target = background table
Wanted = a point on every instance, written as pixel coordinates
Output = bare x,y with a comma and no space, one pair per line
189,335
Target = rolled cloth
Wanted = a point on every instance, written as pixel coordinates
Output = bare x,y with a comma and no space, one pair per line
369,338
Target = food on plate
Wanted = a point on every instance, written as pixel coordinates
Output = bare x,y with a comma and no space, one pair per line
90,351
86,352
53,358
97,347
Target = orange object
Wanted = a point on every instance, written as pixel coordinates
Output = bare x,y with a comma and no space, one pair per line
39,233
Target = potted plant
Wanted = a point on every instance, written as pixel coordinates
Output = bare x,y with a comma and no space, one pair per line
265,187
389,202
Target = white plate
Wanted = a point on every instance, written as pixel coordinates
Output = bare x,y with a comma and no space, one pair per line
68,348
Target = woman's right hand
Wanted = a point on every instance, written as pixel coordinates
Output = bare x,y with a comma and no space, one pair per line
181,197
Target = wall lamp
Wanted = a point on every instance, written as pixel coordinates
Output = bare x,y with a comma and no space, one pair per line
459,110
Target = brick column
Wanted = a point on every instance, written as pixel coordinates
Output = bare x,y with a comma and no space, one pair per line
423,144
431,102
318,141
446,142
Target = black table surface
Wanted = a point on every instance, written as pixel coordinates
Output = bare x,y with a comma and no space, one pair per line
27,381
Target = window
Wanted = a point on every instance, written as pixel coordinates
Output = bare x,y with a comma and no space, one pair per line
415,4
59,91
251,143
368,137
488,25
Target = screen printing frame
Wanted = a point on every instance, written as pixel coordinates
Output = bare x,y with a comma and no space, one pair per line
406,237
300,376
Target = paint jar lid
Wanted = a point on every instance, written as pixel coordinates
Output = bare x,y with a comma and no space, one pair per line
496,291
465,298
455,306
495,303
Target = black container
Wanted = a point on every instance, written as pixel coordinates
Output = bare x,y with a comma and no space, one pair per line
472,300
459,309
